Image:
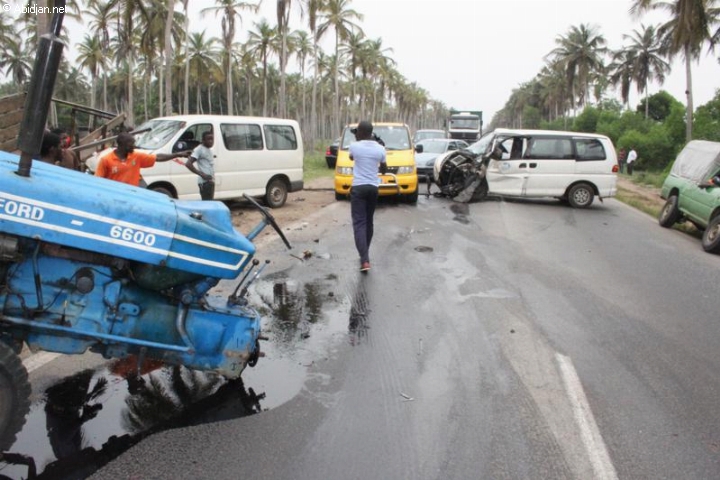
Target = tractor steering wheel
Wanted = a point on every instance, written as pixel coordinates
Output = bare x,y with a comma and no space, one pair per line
268,218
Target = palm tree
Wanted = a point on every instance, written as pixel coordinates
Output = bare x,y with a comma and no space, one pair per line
186,85
303,48
553,89
231,11
646,48
622,72
202,63
283,18
126,17
685,33
373,63
260,42
581,52
314,9
17,63
352,50
102,15
169,24
248,64
91,57
338,15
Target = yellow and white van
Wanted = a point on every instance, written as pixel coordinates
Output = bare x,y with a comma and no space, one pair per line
401,178
257,156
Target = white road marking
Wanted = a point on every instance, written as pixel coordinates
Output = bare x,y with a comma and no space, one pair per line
33,362
594,445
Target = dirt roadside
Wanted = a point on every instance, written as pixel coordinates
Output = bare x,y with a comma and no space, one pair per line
317,193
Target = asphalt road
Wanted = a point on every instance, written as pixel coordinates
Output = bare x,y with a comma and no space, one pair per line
518,340
492,340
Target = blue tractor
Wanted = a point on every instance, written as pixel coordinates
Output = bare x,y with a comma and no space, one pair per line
89,264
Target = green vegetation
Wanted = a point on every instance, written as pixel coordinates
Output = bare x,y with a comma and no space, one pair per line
571,90
315,166
133,60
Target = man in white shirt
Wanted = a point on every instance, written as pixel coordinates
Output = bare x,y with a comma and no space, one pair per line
202,164
632,156
368,155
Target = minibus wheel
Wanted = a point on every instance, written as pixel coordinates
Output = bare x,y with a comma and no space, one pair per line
276,193
581,195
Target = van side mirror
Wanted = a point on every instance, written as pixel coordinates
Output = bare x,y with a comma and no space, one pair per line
419,148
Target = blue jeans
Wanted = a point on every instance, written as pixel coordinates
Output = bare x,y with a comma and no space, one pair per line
363,199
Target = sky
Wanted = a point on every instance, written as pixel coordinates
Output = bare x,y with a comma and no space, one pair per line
471,54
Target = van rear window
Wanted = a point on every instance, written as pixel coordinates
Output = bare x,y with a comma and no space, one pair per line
280,137
589,149
238,136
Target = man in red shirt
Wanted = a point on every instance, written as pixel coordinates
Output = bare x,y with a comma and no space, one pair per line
123,164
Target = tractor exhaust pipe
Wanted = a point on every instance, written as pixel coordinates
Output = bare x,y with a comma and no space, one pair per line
42,84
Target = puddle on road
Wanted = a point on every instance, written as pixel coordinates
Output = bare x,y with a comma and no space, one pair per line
93,416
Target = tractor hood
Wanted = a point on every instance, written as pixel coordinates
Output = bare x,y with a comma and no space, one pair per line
82,211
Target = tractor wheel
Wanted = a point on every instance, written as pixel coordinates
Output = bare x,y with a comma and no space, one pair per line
14,395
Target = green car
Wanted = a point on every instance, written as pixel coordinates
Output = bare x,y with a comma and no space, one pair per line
692,191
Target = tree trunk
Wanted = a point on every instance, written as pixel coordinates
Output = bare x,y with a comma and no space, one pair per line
130,99
314,127
228,81
186,101
336,98
283,60
688,92
169,56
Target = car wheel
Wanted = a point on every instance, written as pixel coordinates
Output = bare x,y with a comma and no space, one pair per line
276,193
14,395
581,195
482,191
711,236
670,214
330,162
340,197
162,190
412,198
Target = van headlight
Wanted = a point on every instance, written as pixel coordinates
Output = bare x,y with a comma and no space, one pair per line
345,170
405,170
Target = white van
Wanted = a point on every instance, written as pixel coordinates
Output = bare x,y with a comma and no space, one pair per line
571,166
260,157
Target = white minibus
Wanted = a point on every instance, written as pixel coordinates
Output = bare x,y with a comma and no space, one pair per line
257,156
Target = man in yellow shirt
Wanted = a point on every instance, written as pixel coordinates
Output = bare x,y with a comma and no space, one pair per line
123,164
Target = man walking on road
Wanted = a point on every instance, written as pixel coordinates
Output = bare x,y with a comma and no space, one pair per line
368,156
202,164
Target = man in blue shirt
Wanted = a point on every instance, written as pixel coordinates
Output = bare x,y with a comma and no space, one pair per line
368,156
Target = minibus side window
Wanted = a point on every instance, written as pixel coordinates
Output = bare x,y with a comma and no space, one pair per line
241,136
549,149
589,149
280,137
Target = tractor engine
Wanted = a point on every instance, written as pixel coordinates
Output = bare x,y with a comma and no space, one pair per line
91,264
